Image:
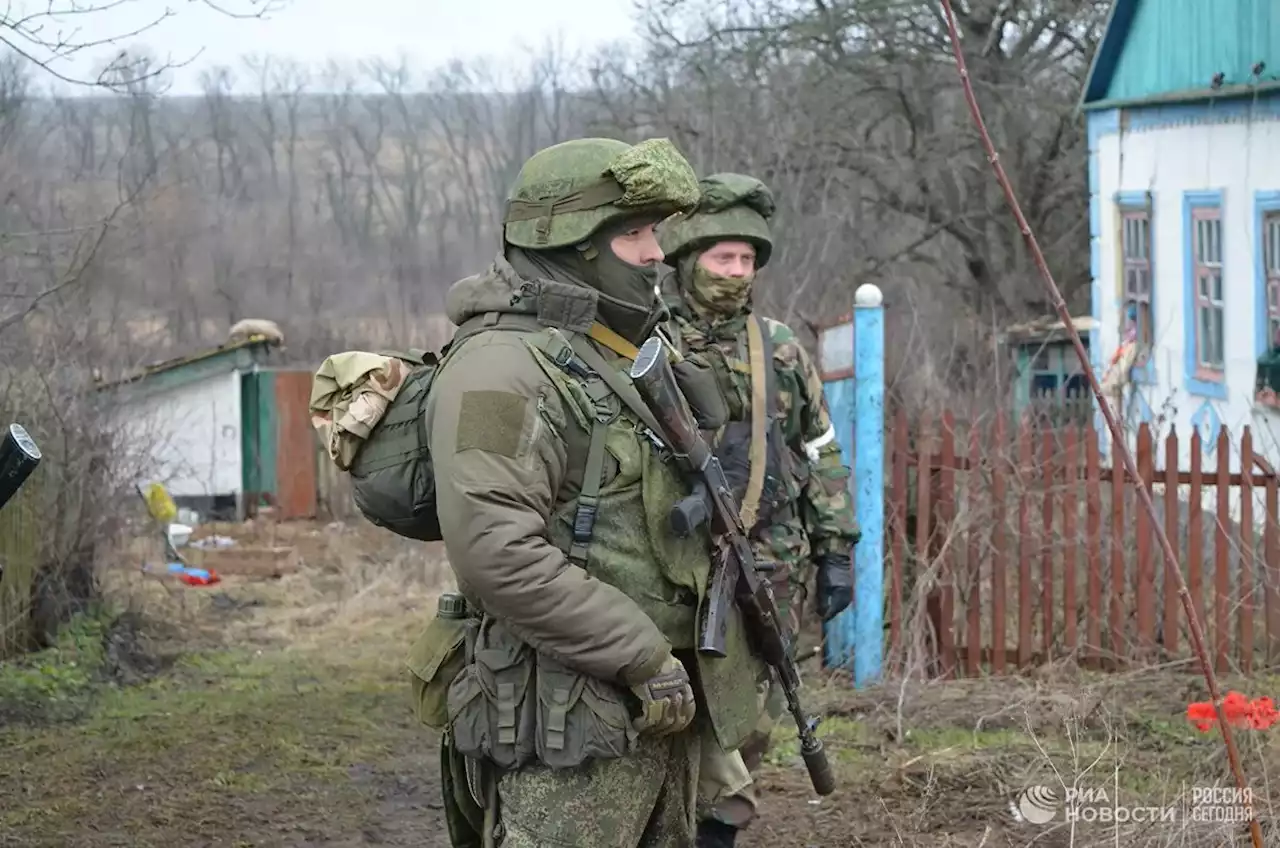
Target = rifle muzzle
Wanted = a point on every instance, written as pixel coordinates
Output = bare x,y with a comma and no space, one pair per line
815,761
19,456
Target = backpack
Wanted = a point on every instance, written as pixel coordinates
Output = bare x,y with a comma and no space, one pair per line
392,478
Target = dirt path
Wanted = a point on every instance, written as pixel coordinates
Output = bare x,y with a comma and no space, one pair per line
277,714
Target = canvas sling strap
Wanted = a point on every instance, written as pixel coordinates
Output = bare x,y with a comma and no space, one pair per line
759,355
614,342
598,386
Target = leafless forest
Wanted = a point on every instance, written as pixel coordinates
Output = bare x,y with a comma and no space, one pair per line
342,201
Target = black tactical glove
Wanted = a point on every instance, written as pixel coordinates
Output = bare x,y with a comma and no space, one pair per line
835,584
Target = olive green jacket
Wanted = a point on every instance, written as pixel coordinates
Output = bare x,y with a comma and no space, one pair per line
505,448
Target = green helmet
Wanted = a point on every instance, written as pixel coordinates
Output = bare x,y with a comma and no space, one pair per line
732,207
566,192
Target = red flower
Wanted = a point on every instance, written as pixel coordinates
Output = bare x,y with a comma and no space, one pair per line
1259,714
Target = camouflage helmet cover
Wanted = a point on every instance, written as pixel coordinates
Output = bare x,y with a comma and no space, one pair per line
566,192
731,206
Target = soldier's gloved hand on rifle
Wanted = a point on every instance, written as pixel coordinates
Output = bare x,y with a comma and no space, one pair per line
835,585
666,700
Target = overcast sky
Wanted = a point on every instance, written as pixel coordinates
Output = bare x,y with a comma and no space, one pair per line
429,32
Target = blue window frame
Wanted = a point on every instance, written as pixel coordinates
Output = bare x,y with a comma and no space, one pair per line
1136,267
1266,258
1266,206
1204,295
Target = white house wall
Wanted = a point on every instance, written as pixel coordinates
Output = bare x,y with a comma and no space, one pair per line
1168,151
189,436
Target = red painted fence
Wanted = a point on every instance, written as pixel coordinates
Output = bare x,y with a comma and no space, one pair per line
1024,548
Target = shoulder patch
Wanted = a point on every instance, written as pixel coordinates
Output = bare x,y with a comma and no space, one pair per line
492,422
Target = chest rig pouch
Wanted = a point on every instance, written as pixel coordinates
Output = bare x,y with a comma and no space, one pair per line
512,704
726,686
752,449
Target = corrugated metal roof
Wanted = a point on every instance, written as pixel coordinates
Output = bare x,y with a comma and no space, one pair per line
180,362
1168,50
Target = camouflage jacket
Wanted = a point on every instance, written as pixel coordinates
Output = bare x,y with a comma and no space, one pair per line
822,520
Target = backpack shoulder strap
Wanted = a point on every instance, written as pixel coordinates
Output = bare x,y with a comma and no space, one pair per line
554,345
415,355
488,322
584,517
620,386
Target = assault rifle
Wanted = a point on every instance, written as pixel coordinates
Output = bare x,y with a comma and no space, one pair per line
19,456
733,568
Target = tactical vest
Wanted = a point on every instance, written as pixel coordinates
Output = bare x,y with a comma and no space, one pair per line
739,450
617,529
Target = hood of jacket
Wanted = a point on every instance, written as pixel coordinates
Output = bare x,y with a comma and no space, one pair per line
500,288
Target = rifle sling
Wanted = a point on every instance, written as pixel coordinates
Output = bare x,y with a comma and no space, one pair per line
621,387
761,367
613,341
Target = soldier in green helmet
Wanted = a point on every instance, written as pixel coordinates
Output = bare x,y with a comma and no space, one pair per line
578,711
779,447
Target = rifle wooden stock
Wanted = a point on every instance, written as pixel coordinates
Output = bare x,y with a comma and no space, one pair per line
733,570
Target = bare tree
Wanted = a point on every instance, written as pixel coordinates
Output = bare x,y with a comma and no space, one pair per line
839,107
50,34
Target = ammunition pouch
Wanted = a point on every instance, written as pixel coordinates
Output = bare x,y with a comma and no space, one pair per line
490,714
579,717
734,453
435,660
512,705
701,388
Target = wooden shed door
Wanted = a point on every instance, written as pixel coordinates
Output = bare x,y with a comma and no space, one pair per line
296,454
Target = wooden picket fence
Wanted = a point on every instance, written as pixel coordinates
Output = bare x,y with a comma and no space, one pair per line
1024,549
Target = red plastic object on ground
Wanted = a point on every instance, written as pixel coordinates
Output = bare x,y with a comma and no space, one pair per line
207,579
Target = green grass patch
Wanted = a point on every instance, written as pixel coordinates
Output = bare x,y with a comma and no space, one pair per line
222,734
52,684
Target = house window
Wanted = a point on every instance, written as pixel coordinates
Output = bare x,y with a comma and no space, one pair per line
1267,376
1207,282
1056,389
1271,268
1135,247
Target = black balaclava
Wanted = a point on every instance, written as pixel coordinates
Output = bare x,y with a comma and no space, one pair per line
628,302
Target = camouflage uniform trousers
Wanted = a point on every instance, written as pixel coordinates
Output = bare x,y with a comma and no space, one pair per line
738,808
644,800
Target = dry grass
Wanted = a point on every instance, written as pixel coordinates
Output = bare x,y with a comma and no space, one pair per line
276,712
356,586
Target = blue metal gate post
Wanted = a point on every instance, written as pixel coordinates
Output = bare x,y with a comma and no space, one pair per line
868,480
838,633
857,410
